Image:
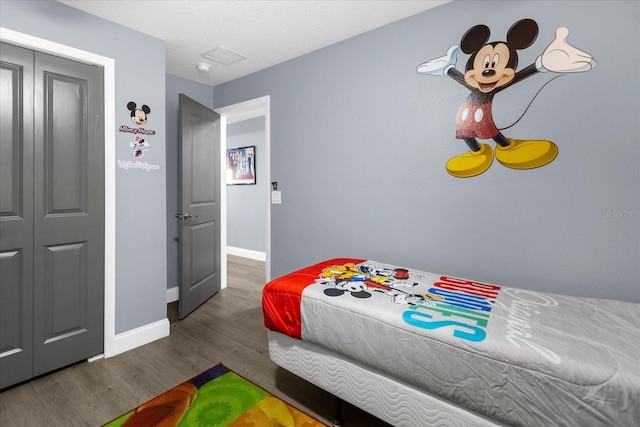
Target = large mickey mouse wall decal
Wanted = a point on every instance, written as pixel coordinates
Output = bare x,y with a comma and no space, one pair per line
490,69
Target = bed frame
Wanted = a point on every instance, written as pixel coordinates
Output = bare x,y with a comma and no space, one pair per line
391,400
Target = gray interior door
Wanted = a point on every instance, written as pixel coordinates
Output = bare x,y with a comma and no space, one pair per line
199,232
16,215
56,146
68,212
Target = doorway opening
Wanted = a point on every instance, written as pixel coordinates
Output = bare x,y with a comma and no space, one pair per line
259,107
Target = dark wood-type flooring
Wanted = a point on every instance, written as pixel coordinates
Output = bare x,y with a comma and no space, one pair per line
228,328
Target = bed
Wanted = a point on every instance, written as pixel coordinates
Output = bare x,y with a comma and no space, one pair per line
416,348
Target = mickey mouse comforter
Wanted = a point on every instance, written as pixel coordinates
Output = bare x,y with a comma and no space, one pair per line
517,356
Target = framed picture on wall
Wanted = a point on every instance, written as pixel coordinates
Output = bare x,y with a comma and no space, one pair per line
241,165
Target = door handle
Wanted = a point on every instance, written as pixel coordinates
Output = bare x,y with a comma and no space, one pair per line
185,216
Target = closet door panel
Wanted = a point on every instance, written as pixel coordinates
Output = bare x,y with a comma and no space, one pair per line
68,212
16,214
64,150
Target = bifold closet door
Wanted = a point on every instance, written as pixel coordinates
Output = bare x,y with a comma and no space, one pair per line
16,215
68,212
53,266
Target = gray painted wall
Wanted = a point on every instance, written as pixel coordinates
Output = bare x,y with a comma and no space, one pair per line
140,77
204,95
360,142
246,203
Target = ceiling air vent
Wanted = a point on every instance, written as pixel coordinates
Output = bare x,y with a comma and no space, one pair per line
223,56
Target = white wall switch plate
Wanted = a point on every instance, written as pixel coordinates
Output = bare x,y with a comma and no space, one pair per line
276,197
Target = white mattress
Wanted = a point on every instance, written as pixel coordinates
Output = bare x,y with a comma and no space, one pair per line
524,358
387,398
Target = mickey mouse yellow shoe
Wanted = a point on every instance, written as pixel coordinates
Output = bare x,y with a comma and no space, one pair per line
471,163
527,154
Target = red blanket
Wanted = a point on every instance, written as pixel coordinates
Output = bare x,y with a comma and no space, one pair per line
282,296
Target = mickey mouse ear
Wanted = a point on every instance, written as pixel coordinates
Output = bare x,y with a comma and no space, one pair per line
522,34
333,292
361,294
474,38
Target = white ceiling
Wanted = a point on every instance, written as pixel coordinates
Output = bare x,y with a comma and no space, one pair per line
265,32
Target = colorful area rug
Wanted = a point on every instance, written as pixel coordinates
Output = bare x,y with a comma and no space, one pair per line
216,398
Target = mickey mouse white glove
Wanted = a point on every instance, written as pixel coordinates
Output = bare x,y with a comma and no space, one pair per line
439,66
561,57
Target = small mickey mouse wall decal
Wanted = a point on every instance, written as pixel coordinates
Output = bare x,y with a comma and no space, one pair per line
490,69
138,115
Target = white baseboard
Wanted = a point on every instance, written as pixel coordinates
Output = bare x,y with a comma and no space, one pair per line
247,253
173,294
140,336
